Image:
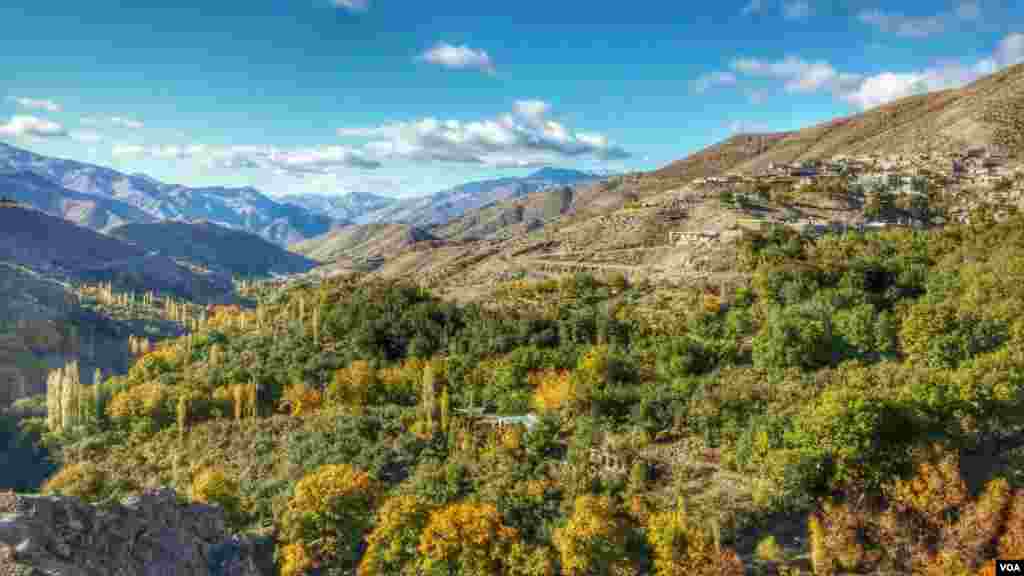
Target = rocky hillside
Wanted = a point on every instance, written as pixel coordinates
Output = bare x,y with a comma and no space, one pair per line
244,208
54,246
987,113
215,247
148,535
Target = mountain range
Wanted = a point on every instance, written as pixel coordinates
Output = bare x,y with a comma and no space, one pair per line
102,198
440,207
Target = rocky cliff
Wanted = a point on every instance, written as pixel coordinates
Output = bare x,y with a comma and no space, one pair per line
149,535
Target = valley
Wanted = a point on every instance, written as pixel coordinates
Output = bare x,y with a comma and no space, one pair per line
792,353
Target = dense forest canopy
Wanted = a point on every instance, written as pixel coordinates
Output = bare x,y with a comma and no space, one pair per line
834,397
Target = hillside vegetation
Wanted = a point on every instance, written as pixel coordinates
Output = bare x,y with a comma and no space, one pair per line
856,408
215,247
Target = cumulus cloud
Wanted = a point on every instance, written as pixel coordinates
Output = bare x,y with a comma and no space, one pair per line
354,5
526,136
712,79
87,136
796,10
752,7
37,104
459,58
798,75
292,162
867,91
21,126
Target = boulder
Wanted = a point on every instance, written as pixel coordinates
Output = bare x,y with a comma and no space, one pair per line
152,534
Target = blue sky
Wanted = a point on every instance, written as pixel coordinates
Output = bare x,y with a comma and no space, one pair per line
408,97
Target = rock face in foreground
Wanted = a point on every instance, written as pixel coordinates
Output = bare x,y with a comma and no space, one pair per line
147,535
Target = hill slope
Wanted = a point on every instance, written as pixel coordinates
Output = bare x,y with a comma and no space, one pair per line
54,246
987,113
355,207
94,212
362,242
215,247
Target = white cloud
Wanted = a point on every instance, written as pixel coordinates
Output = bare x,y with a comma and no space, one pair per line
123,122
88,136
292,162
459,58
752,7
116,121
525,137
37,104
712,79
921,26
532,111
22,126
867,91
1010,50
355,5
796,10
798,75
742,127
901,25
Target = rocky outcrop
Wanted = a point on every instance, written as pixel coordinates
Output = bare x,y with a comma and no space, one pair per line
152,534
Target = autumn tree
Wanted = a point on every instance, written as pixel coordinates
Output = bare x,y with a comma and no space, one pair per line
325,520
465,538
595,539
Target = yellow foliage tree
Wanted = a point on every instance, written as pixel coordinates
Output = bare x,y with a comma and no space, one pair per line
144,401
327,516
552,389
214,486
392,546
355,385
681,548
466,538
83,480
594,540
300,399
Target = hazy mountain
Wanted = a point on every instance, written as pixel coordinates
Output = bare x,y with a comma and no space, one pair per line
352,207
244,208
95,212
215,247
440,207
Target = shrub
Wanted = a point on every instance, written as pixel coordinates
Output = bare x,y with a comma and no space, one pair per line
82,480
327,515
149,402
595,539
215,486
300,399
679,548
